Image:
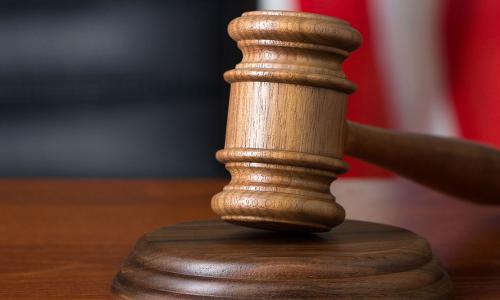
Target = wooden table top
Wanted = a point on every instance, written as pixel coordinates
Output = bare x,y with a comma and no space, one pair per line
65,239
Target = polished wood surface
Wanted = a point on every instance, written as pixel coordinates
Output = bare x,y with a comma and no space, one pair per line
216,260
457,167
66,239
285,135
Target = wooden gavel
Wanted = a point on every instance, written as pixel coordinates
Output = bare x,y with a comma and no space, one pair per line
286,130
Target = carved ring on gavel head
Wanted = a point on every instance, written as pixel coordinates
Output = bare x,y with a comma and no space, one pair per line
286,130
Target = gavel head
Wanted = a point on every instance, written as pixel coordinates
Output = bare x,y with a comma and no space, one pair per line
286,121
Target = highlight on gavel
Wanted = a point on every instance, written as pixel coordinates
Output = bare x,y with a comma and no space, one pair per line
287,133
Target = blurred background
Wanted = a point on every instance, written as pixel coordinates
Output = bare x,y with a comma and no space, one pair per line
122,88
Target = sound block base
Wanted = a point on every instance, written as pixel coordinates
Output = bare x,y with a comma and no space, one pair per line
212,259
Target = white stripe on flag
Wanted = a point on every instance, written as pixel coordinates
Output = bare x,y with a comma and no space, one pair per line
408,48
278,5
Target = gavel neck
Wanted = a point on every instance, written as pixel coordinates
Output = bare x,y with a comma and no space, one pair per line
464,169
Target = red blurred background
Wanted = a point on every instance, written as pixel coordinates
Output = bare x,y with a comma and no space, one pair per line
429,66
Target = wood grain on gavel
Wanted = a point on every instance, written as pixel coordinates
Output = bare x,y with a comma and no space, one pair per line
286,130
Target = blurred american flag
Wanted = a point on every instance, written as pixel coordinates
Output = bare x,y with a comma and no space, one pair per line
430,66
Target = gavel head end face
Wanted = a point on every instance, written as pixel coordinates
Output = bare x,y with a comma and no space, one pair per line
285,128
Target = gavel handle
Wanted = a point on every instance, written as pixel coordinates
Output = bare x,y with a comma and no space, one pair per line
468,170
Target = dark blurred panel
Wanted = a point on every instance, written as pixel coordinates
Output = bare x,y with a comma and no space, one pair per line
114,88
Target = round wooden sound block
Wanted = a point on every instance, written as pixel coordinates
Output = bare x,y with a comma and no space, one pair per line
212,259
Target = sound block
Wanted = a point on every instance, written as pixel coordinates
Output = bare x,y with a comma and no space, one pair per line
215,260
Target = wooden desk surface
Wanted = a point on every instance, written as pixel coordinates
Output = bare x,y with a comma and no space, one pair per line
65,239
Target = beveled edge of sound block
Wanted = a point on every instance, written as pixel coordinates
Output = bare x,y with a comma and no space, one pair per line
216,260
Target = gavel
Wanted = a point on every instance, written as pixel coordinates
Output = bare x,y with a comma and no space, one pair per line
287,133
